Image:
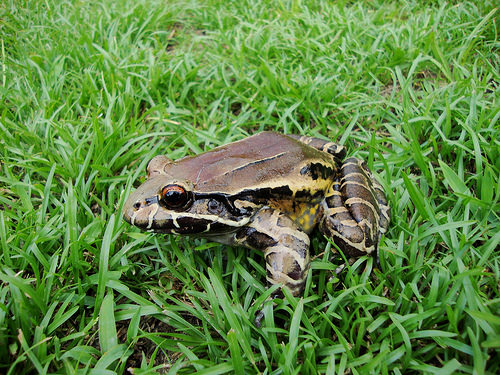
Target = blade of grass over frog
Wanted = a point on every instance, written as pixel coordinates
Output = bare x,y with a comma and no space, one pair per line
107,326
234,348
103,263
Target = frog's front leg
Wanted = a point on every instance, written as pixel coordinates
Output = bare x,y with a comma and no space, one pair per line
355,212
285,247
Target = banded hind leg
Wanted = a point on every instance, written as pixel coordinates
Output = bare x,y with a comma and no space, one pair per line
355,212
285,247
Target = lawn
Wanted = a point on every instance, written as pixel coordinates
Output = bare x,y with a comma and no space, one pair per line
92,90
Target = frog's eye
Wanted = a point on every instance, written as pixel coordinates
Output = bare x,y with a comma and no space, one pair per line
174,196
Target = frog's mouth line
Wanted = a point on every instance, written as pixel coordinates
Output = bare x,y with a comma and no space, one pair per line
183,222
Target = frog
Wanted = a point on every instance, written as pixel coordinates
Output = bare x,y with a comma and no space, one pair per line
267,192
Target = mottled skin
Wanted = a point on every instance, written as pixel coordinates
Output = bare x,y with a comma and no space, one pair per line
266,192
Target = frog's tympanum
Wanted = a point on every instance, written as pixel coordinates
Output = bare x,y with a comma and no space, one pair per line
266,192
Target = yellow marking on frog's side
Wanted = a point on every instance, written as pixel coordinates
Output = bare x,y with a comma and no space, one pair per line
307,220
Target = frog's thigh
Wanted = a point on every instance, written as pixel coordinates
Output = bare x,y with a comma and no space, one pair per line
352,214
285,247
329,147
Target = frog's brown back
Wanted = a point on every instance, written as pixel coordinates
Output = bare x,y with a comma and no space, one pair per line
266,158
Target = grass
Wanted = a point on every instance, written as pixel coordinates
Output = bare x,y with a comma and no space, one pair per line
92,90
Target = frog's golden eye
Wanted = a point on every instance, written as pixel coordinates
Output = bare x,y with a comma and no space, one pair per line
174,196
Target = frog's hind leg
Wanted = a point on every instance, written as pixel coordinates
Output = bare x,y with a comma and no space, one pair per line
355,211
285,247
331,148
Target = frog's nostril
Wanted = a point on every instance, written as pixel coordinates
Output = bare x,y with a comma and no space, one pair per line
137,205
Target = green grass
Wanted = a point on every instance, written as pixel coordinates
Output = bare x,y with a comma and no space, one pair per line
90,91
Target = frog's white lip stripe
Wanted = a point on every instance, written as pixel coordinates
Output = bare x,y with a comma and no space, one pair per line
212,218
132,218
152,215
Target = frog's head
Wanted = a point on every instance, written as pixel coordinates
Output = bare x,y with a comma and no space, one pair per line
169,205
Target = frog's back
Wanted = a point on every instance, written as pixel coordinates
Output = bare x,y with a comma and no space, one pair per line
264,159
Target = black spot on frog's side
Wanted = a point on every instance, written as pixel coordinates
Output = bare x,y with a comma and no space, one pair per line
307,194
222,205
191,225
256,195
316,170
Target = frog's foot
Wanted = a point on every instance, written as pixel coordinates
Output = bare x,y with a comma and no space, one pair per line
355,212
285,247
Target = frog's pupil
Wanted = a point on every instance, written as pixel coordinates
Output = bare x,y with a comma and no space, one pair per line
174,196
